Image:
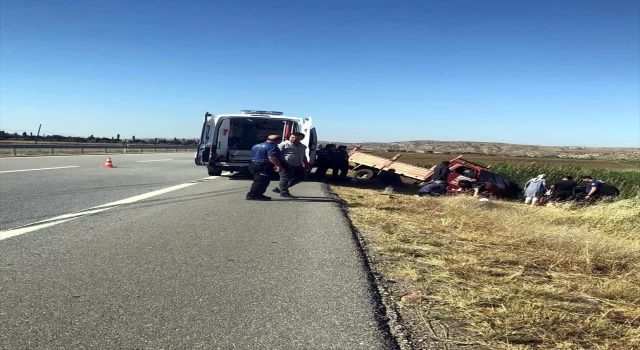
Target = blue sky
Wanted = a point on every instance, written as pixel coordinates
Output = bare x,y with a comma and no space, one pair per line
532,72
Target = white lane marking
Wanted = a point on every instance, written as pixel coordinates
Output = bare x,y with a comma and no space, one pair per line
70,216
21,231
104,207
146,195
155,160
59,167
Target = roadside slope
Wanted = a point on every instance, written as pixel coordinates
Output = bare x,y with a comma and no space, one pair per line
502,275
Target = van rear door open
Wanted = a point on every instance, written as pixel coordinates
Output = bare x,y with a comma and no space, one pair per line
226,139
310,139
204,146
222,141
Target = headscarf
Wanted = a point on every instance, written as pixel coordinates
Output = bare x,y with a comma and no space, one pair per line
539,178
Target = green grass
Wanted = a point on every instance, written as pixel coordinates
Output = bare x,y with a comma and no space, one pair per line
628,182
633,162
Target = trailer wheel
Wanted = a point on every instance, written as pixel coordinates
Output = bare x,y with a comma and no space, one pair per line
364,174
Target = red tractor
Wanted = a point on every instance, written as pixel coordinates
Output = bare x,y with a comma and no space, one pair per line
477,175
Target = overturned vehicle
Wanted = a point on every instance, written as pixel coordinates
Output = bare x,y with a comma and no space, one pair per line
464,173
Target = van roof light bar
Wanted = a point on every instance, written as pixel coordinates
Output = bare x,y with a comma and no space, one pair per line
251,111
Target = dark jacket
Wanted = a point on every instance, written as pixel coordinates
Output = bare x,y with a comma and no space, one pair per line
339,157
441,173
568,186
323,157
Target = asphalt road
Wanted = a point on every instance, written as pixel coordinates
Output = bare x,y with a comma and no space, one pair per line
28,196
183,262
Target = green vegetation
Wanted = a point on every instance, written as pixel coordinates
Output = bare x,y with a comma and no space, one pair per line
628,182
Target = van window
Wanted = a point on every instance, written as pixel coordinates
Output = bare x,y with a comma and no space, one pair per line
244,133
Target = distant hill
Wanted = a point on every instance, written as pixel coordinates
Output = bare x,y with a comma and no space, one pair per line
496,148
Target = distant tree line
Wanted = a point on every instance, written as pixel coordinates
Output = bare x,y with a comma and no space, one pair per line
92,139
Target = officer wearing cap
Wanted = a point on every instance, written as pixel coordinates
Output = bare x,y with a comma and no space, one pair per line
265,161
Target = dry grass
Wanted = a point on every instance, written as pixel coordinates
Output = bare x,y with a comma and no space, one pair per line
501,275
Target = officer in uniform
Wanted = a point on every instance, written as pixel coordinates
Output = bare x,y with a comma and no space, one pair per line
340,163
265,160
593,189
323,159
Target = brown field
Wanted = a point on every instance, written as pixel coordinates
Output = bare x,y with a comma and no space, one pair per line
429,158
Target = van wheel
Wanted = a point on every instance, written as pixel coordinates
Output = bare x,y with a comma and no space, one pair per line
364,174
214,171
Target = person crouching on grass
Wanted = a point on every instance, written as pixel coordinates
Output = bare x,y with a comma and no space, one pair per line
294,160
592,191
534,189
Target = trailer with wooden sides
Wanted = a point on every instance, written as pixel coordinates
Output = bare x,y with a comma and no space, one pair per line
367,166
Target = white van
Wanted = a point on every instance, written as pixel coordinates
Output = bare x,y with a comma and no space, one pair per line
226,139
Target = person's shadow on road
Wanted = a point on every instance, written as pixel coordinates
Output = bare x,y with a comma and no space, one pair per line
305,199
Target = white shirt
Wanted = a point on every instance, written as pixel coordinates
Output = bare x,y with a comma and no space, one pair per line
293,154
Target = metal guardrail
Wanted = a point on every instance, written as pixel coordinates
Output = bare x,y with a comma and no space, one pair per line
50,148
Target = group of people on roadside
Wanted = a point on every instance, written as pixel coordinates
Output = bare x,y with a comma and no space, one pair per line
536,190
288,159
334,158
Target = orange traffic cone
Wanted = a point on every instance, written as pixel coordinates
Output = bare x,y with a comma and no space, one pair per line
108,164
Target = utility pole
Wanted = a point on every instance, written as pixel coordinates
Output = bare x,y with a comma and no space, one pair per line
38,133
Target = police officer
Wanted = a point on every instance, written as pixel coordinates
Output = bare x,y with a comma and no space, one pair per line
593,189
340,163
265,159
323,159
